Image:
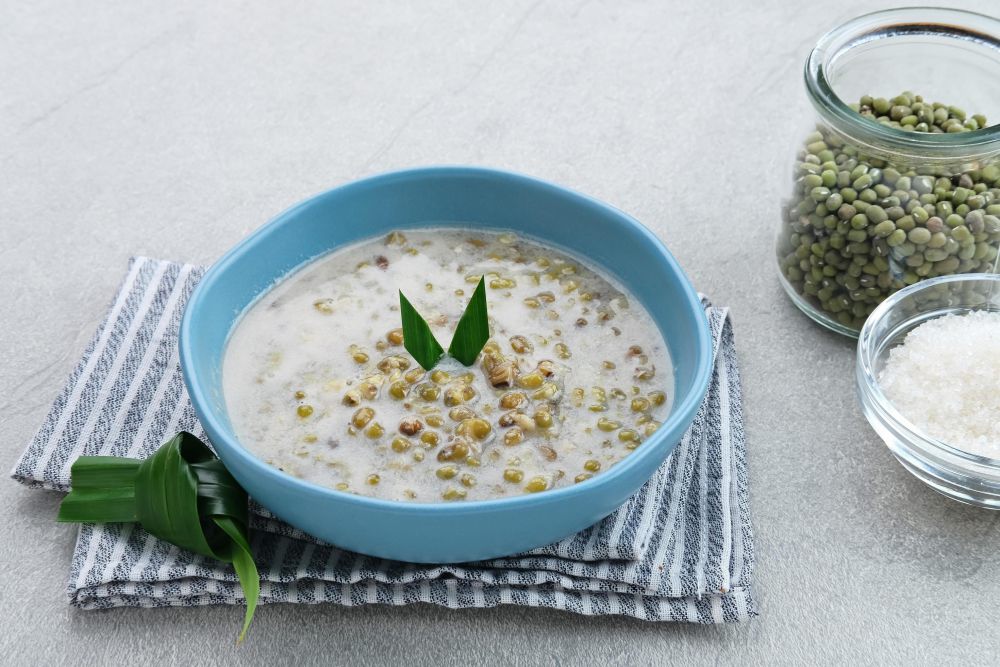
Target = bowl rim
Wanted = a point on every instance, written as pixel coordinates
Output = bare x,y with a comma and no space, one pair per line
870,387
223,439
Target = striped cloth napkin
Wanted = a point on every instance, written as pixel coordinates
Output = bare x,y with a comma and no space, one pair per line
681,549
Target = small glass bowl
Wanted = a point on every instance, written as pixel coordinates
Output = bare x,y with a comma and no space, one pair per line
966,477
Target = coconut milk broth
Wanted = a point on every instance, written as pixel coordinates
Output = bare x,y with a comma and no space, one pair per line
575,376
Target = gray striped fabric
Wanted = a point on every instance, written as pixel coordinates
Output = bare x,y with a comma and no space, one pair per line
681,549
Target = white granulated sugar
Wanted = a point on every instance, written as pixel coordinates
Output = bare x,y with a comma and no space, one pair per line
944,379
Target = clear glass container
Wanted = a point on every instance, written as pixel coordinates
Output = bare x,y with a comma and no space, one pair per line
951,471
897,177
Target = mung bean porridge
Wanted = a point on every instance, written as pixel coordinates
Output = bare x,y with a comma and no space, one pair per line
575,376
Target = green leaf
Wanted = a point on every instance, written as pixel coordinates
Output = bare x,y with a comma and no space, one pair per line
418,339
166,494
182,494
246,569
103,491
473,329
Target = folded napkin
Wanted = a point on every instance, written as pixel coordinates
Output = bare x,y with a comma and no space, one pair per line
681,549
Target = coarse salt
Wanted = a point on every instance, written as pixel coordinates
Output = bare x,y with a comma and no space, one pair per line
944,379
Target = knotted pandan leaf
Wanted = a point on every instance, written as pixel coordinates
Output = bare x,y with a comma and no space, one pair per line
182,494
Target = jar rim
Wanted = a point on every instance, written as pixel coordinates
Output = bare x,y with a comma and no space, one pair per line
955,23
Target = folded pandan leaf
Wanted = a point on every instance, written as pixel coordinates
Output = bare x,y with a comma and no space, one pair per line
467,342
418,339
182,494
473,329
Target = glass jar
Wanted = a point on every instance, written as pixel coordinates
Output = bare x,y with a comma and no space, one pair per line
890,187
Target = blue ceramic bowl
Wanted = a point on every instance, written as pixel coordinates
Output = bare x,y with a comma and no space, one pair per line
443,532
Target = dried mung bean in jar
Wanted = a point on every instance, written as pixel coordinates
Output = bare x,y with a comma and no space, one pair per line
860,226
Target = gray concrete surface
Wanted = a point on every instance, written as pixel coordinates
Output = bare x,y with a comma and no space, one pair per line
173,129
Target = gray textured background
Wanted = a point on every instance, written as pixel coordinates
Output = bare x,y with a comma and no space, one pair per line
173,129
